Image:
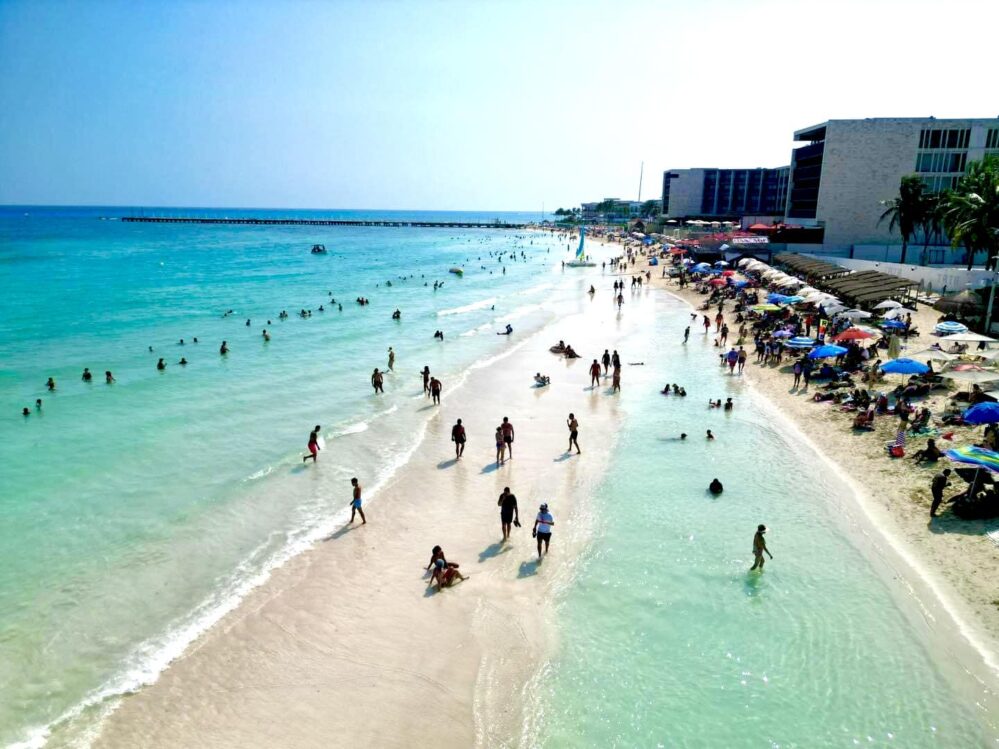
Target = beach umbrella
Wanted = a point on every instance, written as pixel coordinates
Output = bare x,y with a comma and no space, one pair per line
728,272
833,308
972,376
964,337
932,354
775,298
721,263
740,284
717,282
824,352
782,334
852,334
801,342
904,367
855,314
806,290
892,324
963,303
794,299
976,456
898,312
982,413
949,327
887,304
765,308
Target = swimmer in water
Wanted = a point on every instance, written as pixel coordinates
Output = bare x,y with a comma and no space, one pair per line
224,348
710,436
161,365
715,487
266,335
108,377
50,384
87,377
182,362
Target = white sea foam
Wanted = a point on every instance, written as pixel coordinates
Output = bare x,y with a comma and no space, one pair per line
468,307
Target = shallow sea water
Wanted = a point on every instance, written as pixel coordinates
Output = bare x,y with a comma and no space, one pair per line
664,637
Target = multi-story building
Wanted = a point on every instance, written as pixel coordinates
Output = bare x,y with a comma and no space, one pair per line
847,167
611,209
725,192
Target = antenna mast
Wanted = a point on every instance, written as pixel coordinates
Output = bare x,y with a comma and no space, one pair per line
641,174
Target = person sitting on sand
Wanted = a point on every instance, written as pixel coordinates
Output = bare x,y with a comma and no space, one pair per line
715,487
864,420
930,454
445,573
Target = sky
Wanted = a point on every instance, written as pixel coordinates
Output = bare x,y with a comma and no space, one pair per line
451,105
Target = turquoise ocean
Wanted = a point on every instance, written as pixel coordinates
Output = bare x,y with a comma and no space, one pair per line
135,515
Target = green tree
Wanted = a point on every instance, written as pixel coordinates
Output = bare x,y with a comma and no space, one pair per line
971,213
905,212
651,208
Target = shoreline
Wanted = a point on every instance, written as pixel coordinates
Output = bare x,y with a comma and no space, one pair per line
965,606
478,663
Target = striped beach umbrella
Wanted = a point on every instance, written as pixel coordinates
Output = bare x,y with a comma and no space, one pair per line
949,327
976,456
801,342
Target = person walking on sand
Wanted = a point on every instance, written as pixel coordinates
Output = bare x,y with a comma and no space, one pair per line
573,432
509,514
458,438
500,446
313,445
355,503
707,324
376,381
507,428
719,319
759,547
605,360
543,528
594,374
426,380
937,486
435,390
391,359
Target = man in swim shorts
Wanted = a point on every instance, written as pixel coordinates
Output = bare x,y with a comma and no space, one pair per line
435,390
458,438
313,445
507,428
509,514
759,546
355,503
573,433
595,373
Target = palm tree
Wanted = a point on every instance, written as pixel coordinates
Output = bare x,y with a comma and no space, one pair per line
971,215
905,212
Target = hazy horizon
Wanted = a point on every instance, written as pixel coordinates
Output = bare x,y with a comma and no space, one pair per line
492,106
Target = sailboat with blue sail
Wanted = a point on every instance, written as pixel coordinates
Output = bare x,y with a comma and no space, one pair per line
581,260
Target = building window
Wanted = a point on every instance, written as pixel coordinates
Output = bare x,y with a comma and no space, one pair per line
944,138
941,161
992,139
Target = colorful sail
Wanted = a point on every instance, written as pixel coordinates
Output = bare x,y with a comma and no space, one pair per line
579,251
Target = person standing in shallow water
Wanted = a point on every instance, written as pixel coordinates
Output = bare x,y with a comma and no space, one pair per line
355,503
595,373
376,381
435,390
759,547
313,445
458,437
507,429
573,433
391,359
606,360
426,380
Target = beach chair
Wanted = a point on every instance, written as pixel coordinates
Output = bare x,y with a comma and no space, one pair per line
896,448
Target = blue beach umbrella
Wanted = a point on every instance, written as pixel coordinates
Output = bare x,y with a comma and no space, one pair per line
801,342
824,352
904,366
739,284
793,299
775,298
893,324
783,334
948,327
701,266
982,413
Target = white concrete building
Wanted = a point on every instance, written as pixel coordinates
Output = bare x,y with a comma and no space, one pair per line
848,167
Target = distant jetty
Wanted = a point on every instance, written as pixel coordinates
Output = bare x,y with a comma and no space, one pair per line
323,222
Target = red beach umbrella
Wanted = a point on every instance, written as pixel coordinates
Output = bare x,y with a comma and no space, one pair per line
717,282
852,334
728,272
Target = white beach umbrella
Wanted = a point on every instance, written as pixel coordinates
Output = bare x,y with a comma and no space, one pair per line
896,312
990,355
855,314
744,262
968,337
807,290
931,354
887,304
868,329
833,309
972,376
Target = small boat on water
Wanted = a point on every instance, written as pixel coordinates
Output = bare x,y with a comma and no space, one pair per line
581,261
457,271
318,249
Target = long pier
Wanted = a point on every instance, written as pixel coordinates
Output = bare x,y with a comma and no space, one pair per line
321,222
